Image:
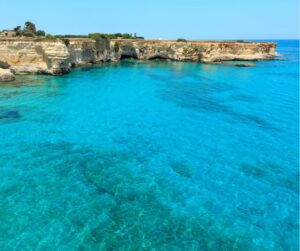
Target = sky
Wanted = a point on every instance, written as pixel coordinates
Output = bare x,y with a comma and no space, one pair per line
159,19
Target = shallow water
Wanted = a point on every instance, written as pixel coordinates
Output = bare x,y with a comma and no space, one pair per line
152,156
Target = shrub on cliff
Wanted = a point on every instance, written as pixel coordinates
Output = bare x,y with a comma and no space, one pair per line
71,36
113,36
116,47
27,33
66,41
96,36
50,37
18,31
29,27
181,40
102,44
127,36
118,35
40,33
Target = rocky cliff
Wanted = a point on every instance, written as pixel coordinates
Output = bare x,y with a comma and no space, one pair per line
88,51
34,56
6,75
197,51
28,56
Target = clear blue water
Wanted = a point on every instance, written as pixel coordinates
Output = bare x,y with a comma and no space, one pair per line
152,156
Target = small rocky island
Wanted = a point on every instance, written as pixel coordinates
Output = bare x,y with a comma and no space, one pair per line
27,53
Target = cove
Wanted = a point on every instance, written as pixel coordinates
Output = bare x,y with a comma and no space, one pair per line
152,155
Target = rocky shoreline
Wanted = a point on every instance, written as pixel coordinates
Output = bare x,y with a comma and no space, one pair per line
41,56
6,75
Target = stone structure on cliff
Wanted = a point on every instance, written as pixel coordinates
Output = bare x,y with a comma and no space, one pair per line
35,56
8,33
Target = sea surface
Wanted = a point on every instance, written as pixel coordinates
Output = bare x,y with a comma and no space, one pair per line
152,155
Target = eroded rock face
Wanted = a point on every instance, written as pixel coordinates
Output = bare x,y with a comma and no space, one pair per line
27,56
82,52
197,51
87,51
6,75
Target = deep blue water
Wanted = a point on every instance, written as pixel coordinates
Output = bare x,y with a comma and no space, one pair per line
152,156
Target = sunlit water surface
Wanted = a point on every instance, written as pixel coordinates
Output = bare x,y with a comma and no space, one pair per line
152,156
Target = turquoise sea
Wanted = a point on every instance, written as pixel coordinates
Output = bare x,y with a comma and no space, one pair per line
153,155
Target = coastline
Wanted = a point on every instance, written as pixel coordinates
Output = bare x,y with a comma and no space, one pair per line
56,57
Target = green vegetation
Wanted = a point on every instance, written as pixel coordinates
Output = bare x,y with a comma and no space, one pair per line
30,30
48,37
18,30
71,36
40,33
181,40
113,36
66,41
30,27
116,47
96,36
28,34
102,44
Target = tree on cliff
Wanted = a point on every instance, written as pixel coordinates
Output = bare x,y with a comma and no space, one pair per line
29,29
41,33
18,30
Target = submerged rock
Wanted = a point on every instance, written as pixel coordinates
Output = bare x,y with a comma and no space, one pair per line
244,65
10,115
6,75
239,64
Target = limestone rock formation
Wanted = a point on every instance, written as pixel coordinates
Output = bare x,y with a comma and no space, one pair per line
85,51
34,56
197,51
28,56
6,75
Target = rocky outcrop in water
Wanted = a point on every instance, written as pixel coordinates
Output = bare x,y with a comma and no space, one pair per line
34,56
6,75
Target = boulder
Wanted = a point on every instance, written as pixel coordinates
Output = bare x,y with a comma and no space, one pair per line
4,65
6,75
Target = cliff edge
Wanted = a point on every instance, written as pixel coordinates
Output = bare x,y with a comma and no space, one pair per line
197,51
29,56
41,56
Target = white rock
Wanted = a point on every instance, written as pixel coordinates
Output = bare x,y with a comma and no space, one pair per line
6,75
